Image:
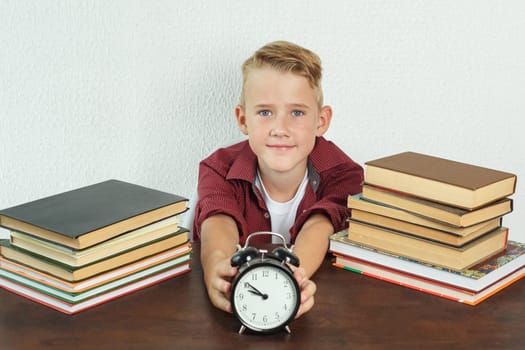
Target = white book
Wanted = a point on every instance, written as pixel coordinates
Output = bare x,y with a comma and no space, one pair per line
474,280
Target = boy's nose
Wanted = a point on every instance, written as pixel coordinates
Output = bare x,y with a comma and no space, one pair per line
280,126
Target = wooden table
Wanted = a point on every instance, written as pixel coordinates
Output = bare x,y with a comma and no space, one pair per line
351,312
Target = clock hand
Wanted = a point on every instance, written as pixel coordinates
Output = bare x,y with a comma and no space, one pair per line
255,291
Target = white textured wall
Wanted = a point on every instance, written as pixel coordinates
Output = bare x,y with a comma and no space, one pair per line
142,90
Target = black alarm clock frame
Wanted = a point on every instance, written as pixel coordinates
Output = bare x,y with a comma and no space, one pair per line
265,295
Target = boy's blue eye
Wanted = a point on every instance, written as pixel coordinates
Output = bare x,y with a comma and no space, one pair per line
265,113
297,113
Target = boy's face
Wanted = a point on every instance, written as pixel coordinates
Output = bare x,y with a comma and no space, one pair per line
282,119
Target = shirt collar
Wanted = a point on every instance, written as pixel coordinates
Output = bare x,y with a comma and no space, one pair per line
245,165
321,157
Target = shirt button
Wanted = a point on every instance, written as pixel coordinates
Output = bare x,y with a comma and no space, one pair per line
266,215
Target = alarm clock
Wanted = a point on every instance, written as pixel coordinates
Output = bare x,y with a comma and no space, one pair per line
265,295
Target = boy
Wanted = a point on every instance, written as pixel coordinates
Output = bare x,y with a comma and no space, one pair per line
285,178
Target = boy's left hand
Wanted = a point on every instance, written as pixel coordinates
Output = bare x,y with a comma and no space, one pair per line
308,289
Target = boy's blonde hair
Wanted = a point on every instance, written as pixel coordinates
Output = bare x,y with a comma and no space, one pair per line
285,56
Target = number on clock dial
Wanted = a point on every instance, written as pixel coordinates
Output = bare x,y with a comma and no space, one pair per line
266,297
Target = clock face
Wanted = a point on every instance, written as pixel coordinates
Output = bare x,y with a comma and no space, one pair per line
265,296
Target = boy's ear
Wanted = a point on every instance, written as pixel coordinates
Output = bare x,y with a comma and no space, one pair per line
241,119
325,117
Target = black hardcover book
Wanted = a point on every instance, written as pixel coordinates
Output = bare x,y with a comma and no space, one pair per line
89,215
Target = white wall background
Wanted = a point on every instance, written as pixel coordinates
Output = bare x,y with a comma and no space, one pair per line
142,90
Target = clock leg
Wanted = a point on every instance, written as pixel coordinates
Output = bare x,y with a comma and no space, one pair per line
242,329
287,328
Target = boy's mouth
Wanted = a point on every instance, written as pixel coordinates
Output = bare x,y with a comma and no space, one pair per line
280,147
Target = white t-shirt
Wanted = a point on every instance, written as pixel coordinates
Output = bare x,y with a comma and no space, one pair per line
282,214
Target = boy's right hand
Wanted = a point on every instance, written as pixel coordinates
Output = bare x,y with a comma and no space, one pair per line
219,239
218,278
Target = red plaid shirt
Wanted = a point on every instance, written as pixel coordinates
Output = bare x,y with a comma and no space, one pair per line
227,186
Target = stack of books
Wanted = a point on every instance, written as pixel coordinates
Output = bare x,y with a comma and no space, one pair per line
82,248
420,218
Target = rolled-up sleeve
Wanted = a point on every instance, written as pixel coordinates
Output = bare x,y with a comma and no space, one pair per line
216,196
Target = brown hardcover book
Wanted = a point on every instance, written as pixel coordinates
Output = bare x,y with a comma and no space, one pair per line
436,211
100,251
426,232
78,273
426,251
89,215
437,179
360,205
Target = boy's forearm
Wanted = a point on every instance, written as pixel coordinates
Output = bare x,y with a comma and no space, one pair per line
219,238
311,243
